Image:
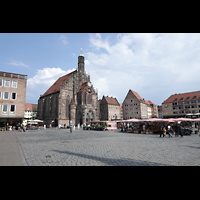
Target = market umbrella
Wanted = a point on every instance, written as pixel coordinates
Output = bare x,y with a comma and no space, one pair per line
36,120
153,120
183,119
132,120
196,120
170,120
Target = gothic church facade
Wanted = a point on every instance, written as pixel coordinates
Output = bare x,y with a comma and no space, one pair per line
71,97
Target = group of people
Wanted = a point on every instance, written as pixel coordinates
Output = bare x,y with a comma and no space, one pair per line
168,130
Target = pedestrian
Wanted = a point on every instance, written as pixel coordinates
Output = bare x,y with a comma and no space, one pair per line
22,126
162,131
169,130
165,131
181,131
144,129
70,125
176,130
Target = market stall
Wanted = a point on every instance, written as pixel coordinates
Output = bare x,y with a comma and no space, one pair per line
101,125
153,125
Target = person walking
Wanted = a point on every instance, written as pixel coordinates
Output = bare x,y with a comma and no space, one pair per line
70,126
176,130
169,130
162,131
181,131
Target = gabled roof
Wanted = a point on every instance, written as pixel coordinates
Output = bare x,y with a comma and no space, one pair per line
139,97
56,86
148,102
136,94
28,106
111,100
82,87
183,97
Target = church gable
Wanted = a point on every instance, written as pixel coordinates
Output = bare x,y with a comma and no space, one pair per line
56,86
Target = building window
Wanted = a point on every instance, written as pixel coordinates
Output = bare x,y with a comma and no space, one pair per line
5,109
6,95
195,106
14,84
12,109
1,82
13,96
188,111
7,83
195,111
0,95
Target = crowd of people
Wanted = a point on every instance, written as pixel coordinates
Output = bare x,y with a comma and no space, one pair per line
168,130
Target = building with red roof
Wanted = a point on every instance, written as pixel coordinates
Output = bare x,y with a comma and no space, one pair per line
109,109
30,112
134,106
182,105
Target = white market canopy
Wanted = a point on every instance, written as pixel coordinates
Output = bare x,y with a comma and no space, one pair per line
36,120
161,120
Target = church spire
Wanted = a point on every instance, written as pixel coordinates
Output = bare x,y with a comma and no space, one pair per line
81,64
81,53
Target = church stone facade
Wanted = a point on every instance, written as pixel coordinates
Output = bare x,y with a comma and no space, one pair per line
71,97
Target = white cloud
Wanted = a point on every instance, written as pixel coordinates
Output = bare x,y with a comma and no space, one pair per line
154,65
47,76
63,38
43,79
19,64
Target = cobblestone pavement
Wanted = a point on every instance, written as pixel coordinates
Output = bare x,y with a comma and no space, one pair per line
52,147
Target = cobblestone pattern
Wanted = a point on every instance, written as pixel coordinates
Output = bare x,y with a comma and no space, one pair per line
52,147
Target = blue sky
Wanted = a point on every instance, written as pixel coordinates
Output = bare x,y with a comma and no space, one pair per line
155,65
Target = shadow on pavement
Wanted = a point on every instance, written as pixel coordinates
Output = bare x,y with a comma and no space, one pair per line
112,161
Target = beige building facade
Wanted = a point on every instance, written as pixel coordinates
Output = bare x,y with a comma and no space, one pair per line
134,106
109,109
12,98
182,105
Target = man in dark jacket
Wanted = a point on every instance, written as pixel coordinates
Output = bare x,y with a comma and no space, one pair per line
181,131
162,131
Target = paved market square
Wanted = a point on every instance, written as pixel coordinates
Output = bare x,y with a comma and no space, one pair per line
53,147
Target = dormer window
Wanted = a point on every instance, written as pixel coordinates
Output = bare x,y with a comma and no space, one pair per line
194,97
181,99
188,97
175,99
